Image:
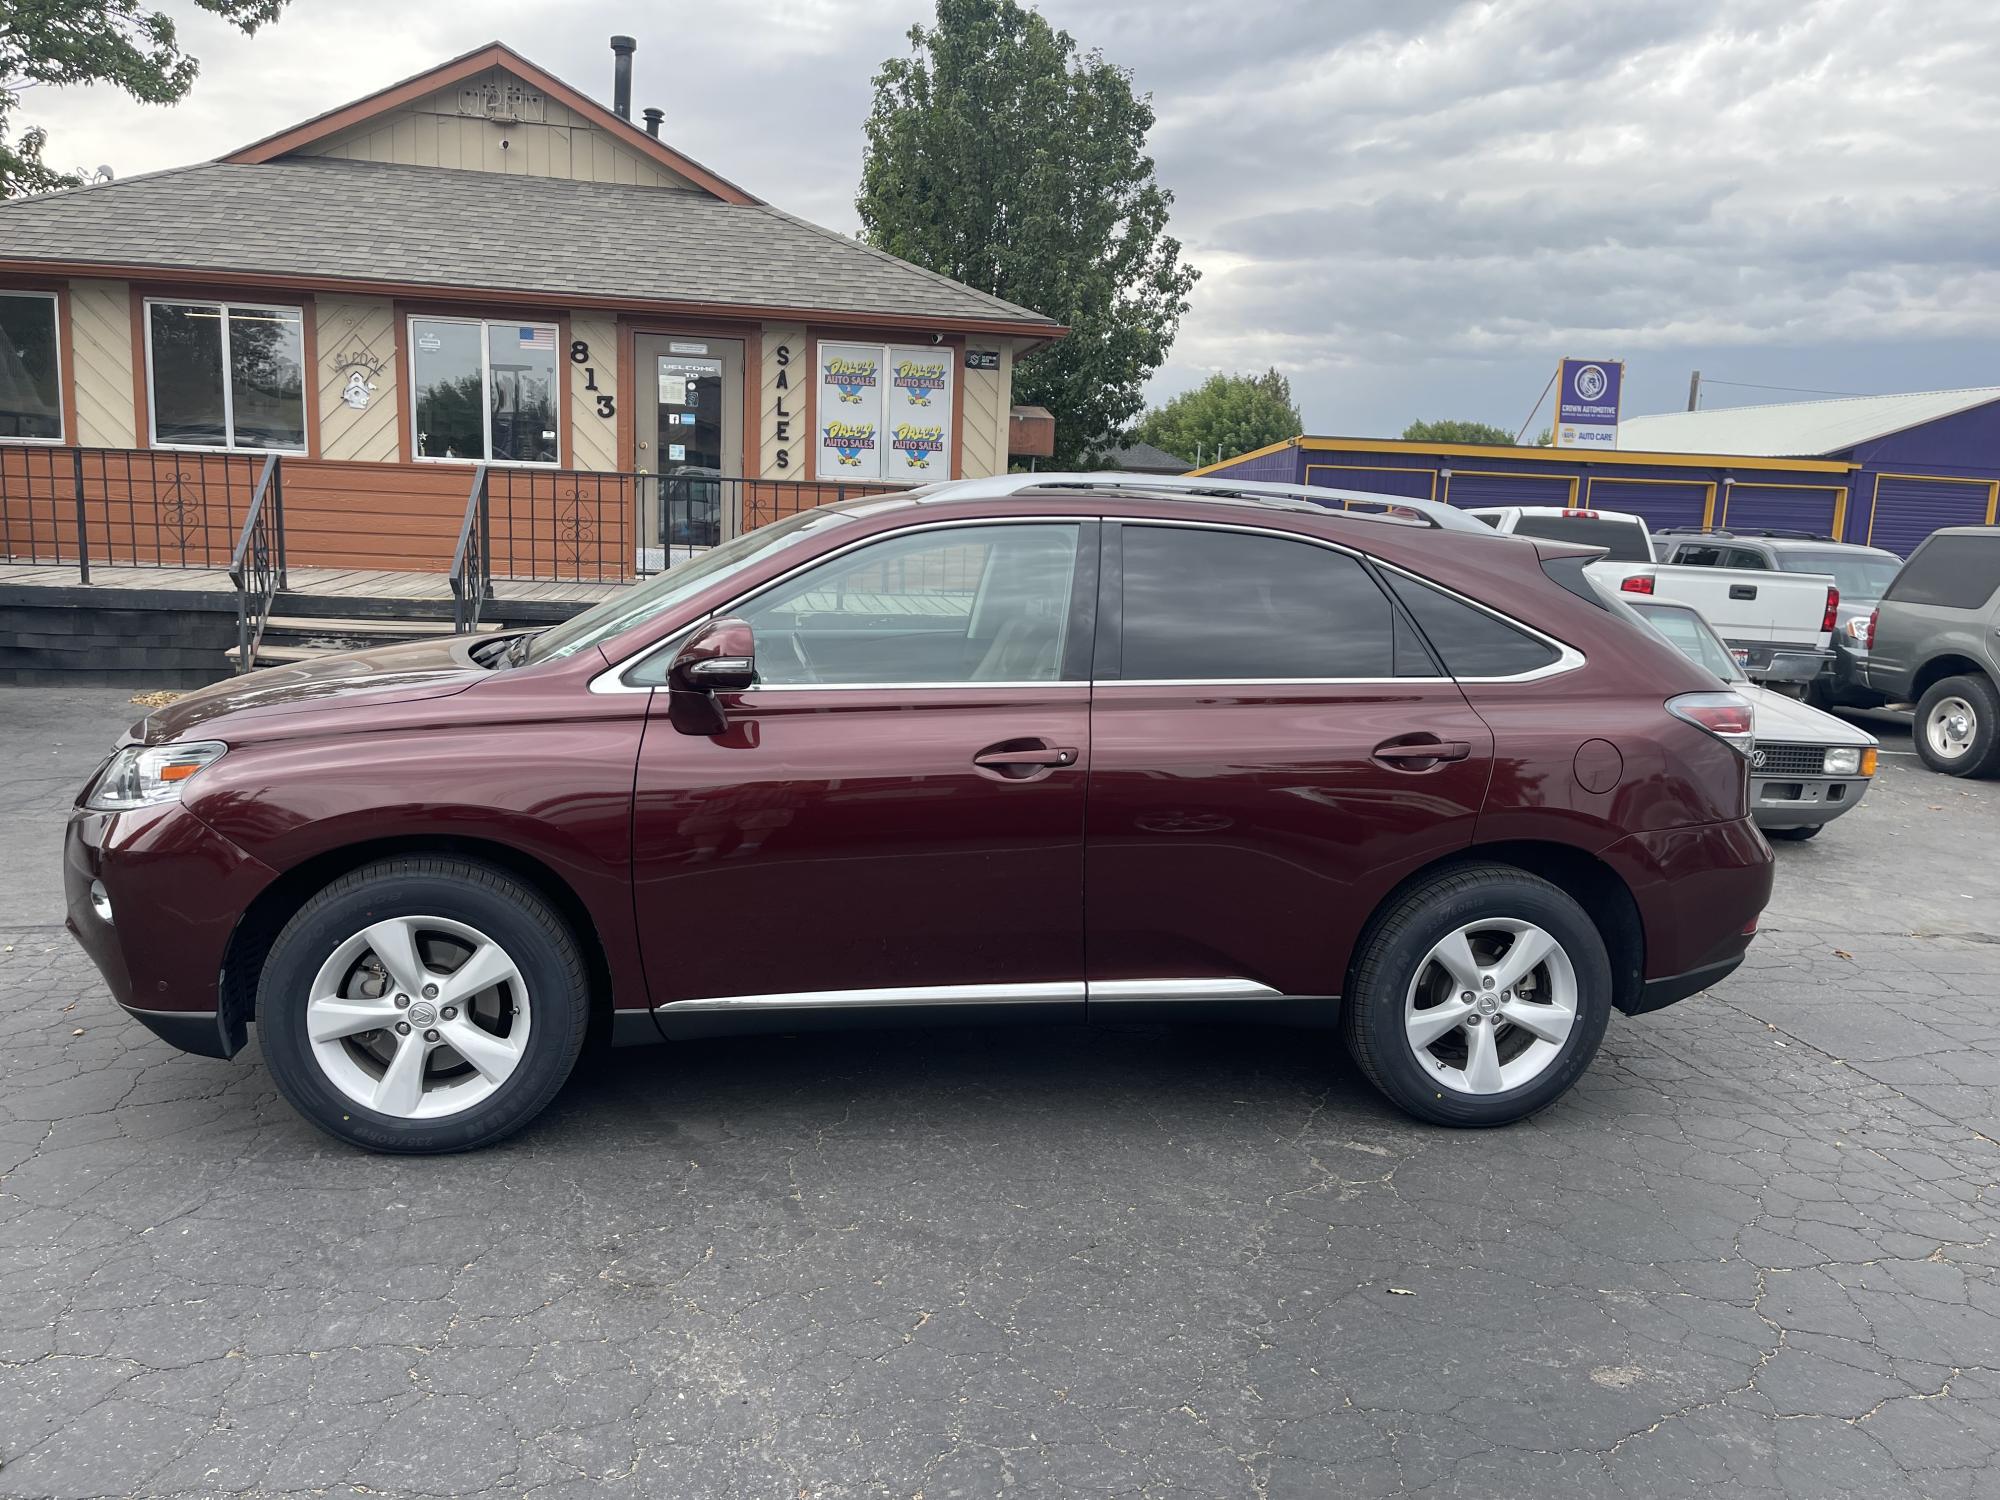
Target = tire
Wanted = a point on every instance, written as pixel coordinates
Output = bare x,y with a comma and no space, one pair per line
1795,835
337,965
1394,971
1957,727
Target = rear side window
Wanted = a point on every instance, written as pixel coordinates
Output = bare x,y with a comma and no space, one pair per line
1952,572
1625,541
1699,556
1230,606
1472,642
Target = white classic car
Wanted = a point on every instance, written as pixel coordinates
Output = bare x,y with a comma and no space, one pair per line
1806,767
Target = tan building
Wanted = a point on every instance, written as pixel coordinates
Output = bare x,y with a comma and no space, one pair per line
478,273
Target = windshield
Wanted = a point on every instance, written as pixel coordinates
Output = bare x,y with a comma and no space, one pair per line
1624,540
1858,575
1688,633
646,601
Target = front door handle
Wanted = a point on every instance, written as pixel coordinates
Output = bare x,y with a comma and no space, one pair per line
1001,758
1418,755
1023,760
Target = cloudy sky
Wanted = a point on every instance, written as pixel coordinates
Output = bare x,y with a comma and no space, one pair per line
1411,209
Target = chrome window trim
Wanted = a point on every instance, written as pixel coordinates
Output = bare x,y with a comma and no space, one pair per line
1064,991
1568,658
611,680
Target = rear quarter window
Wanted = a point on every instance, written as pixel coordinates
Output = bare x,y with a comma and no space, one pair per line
1623,540
1950,572
1469,641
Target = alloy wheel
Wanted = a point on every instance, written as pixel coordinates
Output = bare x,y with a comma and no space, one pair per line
418,1017
1490,1006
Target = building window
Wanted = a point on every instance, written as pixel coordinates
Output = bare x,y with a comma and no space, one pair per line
226,375
483,390
884,412
30,368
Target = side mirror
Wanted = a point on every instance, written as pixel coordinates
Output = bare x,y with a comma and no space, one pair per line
719,657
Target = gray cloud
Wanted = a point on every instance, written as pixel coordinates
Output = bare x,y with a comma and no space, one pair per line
1414,209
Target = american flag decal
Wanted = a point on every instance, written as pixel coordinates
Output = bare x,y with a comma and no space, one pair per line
538,338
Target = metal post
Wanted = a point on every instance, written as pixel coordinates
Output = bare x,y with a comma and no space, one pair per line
82,532
485,533
278,515
1694,391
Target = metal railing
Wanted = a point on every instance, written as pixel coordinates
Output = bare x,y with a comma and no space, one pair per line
257,566
73,507
471,570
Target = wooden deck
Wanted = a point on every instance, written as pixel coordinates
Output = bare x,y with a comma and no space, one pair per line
373,585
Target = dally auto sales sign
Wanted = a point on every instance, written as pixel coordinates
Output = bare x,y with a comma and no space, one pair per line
1587,392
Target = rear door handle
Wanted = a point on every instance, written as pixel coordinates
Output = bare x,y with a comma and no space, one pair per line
1403,753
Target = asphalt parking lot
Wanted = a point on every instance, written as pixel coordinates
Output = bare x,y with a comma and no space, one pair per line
1753,1254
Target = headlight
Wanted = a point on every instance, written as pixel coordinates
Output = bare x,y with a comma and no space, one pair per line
1843,762
145,776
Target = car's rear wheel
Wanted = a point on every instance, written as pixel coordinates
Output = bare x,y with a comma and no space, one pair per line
1957,727
423,1005
1479,997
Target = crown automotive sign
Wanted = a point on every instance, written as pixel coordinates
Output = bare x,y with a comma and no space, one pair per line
1587,393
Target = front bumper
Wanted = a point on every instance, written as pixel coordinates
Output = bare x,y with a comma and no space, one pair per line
1803,802
176,890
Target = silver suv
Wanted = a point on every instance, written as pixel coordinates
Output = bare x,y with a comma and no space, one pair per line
1935,640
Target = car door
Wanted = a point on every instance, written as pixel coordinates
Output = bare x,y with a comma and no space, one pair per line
1272,749
893,815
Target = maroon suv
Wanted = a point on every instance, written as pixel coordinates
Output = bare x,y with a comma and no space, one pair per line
1043,748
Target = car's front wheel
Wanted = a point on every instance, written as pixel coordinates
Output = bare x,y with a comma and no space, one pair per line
1479,997
1957,727
423,1005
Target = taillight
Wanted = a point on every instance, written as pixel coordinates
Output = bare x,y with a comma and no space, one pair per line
1725,715
1873,616
1827,621
1637,583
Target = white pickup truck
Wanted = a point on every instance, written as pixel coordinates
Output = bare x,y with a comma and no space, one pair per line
1779,626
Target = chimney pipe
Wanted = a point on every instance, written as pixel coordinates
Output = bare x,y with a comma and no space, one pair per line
622,48
653,118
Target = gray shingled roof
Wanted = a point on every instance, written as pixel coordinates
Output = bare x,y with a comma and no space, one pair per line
436,227
1144,458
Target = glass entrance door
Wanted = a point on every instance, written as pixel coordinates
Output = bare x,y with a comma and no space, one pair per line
690,444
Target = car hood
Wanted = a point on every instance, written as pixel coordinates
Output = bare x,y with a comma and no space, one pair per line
1781,720
379,674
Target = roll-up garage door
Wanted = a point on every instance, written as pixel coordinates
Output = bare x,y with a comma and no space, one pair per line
1662,505
1780,507
1412,484
1908,509
1510,489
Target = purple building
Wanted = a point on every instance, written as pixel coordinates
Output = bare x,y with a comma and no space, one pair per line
1881,470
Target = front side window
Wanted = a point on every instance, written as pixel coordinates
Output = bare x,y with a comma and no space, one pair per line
30,368
226,375
1858,575
1227,606
484,390
965,604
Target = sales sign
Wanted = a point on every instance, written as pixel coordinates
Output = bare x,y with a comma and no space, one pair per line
1587,392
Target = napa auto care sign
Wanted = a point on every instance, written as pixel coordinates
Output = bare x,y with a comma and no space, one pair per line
1587,392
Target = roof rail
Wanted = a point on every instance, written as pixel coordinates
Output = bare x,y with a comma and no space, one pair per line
1774,533
1210,487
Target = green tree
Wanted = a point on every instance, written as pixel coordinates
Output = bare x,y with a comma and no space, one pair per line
999,155
1225,414
1453,430
119,42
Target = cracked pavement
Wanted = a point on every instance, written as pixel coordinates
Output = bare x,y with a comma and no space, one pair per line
1753,1254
